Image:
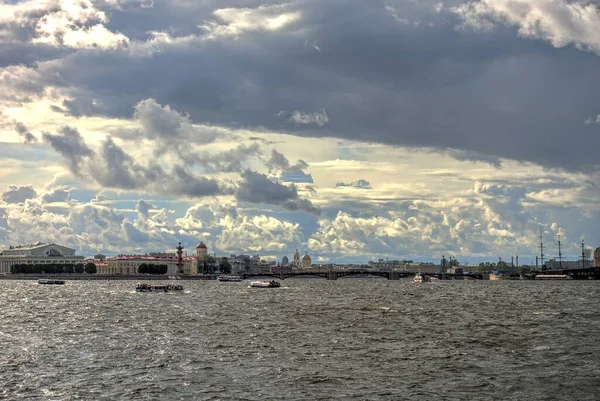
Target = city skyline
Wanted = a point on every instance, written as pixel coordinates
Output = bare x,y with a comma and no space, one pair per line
351,130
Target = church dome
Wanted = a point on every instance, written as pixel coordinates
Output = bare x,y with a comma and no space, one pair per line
306,258
201,246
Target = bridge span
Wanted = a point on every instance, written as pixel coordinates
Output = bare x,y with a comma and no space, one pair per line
335,274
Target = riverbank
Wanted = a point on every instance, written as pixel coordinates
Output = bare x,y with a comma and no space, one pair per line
95,277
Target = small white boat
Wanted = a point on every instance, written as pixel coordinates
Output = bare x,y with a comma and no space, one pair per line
229,277
49,281
419,278
265,284
144,287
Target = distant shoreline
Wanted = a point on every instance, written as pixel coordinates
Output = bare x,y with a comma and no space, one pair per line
94,277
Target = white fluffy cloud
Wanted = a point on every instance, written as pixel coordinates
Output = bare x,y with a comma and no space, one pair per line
561,22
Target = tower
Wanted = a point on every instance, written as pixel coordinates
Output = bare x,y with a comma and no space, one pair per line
297,262
180,259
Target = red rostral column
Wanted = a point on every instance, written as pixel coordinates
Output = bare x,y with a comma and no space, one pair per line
180,259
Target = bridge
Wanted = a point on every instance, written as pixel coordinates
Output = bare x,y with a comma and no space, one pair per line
335,274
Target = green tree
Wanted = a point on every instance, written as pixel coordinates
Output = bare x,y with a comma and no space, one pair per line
224,265
163,269
209,264
69,269
443,265
90,268
143,269
79,268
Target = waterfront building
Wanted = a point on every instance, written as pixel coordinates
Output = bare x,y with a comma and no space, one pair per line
129,264
297,263
285,261
38,253
306,261
198,262
384,264
239,263
553,264
597,257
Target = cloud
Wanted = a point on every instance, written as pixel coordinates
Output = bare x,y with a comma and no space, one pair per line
70,145
257,234
60,194
258,188
559,22
288,173
24,133
234,22
77,24
144,207
488,94
360,183
18,194
318,118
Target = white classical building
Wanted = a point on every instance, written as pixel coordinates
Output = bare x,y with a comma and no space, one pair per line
37,253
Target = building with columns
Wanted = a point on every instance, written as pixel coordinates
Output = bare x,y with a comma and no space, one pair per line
38,253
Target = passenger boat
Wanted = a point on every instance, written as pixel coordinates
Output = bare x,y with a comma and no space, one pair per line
265,284
553,277
229,277
144,287
419,278
495,276
50,281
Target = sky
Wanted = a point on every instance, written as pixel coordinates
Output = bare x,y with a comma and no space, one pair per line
349,129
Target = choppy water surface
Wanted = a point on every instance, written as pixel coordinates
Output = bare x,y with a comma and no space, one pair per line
311,339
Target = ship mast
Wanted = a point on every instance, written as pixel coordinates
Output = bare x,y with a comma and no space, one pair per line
541,248
582,254
559,254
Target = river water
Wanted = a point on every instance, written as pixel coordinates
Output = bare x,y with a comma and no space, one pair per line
311,339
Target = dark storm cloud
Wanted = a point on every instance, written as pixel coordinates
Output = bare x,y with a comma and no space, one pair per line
278,162
18,194
144,207
70,145
258,188
24,133
396,73
185,183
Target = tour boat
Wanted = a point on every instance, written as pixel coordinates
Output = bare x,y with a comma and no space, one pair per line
227,277
50,281
419,278
495,276
265,284
144,287
553,277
